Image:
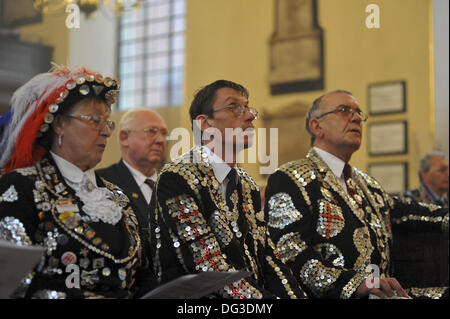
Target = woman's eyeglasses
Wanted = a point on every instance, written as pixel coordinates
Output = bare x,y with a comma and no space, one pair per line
96,122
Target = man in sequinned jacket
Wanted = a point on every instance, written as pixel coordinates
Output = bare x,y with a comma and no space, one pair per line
332,223
208,210
433,175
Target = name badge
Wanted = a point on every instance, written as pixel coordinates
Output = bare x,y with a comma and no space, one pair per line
66,205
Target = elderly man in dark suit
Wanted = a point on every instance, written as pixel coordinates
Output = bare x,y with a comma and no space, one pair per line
331,223
142,137
433,175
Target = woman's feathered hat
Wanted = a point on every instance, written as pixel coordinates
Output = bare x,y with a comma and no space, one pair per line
35,105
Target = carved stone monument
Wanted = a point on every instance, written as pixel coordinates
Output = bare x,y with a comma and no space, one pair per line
296,48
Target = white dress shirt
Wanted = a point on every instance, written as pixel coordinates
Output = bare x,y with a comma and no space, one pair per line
97,201
220,169
335,164
72,174
140,181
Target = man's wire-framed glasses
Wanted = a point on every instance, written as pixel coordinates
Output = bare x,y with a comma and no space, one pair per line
239,110
153,132
346,111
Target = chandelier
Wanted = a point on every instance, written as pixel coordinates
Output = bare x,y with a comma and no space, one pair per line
87,6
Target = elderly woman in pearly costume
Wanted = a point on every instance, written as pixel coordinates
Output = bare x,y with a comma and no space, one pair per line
52,138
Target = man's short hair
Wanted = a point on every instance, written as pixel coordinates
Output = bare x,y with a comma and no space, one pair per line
206,96
425,162
127,119
315,108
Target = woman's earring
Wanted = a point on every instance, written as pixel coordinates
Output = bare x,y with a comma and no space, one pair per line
59,139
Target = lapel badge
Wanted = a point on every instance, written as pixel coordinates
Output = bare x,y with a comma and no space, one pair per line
66,205
84,252
60,187
53,262
358,199
73,221
68,258
122,273
89,186
106,272
379,199
327,194
260,216
98,263
63,239
89,233
134,195
84,263
46,206
65,215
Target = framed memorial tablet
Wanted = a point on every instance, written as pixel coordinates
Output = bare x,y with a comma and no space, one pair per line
392,176
388,138
385,98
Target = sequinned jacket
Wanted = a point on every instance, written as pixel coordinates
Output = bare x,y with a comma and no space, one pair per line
194,231
37,207
420,195
329,238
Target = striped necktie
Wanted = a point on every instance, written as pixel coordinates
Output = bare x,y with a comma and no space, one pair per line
150,183
231,187
347,178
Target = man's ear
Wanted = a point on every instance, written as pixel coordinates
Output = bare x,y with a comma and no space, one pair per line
423,177
202,121
123,137
315,127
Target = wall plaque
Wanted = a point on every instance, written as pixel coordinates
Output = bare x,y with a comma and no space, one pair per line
296,48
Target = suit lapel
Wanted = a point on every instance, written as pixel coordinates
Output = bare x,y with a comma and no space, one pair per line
77,223
209,179
216,195
328,176
131,189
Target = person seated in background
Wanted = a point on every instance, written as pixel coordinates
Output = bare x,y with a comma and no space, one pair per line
421,259
433,176
50,195
142,138
330,222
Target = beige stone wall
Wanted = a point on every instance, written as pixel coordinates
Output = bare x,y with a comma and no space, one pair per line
230,40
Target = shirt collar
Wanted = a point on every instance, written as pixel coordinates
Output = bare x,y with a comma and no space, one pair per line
220,168
72,173
431,194
138,176
334,163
